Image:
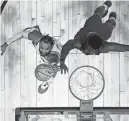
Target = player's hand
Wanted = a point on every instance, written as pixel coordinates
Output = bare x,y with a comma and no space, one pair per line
63,67
55,69
3,48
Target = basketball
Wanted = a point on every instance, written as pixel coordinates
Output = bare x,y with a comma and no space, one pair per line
44,72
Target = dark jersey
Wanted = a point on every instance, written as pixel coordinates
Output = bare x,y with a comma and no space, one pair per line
93,24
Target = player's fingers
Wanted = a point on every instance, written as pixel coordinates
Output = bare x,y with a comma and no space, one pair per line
61,70
65,71
1,53
66,68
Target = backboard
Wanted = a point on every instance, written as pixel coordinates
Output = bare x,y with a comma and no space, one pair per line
72,114
82,77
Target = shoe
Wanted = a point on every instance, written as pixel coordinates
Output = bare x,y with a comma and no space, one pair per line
109,4
113,14
43,87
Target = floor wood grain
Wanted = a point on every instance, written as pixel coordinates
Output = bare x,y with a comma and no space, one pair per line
62,20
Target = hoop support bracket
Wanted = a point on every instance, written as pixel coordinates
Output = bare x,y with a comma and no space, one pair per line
86,111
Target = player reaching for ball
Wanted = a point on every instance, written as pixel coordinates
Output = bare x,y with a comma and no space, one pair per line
92,38
47,47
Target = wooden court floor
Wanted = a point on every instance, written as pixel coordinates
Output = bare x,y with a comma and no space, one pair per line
61,19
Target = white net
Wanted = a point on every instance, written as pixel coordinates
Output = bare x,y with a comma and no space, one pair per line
86,83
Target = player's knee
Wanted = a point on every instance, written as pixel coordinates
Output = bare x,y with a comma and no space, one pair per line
112,19
112,22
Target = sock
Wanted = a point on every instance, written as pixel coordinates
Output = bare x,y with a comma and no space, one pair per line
106,7
112,18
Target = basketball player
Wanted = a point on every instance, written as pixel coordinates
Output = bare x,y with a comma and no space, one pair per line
92,38
48,48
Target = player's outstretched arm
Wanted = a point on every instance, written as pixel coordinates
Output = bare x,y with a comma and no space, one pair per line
34,36
15,37
114,47
64,52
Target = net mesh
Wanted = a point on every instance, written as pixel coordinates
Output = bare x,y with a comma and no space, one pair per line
86,83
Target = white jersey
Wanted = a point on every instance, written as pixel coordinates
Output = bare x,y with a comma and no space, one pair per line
34,34
55,50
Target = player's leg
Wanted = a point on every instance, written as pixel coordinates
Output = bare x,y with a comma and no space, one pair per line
111,22
102,10
109,25
96,18
114,47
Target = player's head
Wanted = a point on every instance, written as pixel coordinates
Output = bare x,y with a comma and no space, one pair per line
46,44
95,41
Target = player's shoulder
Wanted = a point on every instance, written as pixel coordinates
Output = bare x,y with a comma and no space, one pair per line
77,43
35,35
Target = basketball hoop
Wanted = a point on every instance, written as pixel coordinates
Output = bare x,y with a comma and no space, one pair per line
86,83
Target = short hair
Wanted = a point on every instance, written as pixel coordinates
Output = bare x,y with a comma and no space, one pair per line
47,39
95,41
